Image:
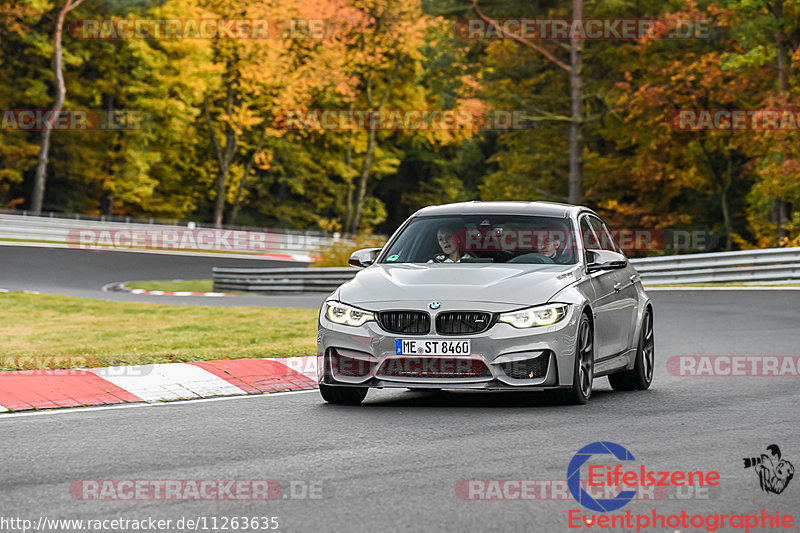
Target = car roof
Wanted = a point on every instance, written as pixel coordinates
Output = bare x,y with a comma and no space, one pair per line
551,209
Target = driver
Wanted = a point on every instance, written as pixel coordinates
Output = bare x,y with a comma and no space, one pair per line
555,249
450,249
551,248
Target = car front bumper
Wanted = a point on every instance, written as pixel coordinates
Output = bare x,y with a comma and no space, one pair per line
502,358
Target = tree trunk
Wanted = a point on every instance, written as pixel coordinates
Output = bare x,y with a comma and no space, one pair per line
348,162
224,158
361,193
575,126
222,176
247,168
107,203
107,196
726,215
362,181
348,217
575,69
40,177
779,210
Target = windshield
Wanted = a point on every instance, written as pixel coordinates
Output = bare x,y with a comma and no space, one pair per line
484,239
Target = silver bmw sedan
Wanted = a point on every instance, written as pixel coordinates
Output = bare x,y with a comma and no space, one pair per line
524,296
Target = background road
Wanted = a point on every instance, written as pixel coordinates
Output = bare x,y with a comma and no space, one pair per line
392,464
85,273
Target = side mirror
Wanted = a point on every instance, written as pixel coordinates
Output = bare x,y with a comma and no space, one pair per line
597,260
363,258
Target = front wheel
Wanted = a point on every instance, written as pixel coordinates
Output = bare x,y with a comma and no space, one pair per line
583,374
343,395
641,375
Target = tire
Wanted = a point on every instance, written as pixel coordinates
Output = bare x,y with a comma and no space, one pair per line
641,375
583,370
343,395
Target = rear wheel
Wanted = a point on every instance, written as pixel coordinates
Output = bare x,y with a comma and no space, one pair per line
343,395
583,374
641,375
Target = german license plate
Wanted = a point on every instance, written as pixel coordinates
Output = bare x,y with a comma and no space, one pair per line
431,347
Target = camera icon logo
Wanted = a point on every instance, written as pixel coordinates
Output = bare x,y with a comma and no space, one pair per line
774,472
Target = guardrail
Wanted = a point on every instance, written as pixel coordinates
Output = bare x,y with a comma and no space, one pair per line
267,280
769,265
54,229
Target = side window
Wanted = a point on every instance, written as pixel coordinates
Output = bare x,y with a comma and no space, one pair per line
611,238
589,239
601,230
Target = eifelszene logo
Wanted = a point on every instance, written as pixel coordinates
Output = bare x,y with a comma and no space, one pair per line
613,478
774,473
574,476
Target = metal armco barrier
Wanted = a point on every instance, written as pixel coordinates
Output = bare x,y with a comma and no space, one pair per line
55,229
268,280
769,265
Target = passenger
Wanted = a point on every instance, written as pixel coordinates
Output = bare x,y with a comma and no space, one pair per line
451,252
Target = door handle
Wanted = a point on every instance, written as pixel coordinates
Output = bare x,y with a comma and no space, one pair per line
617,286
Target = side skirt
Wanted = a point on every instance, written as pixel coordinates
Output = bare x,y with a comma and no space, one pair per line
621,361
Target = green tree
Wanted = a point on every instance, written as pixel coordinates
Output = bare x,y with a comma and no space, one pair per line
61,92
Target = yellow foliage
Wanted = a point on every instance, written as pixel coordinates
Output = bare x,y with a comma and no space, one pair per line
337,254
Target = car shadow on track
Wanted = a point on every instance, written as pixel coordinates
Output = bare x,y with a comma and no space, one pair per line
470,399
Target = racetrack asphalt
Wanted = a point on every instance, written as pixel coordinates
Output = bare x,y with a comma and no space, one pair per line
393,463
84,273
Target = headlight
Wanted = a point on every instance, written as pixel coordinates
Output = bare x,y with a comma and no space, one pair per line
543,315
340,313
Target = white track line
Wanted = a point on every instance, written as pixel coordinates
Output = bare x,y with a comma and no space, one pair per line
789,288
120,287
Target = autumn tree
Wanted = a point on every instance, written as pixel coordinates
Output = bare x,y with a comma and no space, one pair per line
61,92
17,149
574,66
382,58
768,38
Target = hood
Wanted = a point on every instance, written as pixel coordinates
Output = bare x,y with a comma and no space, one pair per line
518,285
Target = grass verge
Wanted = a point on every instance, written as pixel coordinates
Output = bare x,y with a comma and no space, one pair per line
48,331
196,285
